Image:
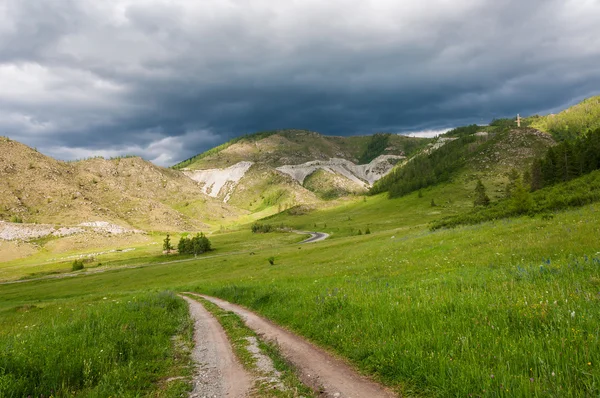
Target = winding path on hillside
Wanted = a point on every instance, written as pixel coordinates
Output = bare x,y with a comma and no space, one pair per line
314,236
329,376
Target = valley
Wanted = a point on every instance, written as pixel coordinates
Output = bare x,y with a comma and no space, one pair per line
416,287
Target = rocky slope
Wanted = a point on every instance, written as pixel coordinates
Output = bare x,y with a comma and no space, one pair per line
289,157
128,192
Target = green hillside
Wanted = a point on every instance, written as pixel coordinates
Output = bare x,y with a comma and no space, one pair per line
464,153
277,148
572,122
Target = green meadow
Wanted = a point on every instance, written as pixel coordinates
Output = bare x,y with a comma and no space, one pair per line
500,309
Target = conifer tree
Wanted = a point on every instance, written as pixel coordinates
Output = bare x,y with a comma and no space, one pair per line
481,198
167,247
521,200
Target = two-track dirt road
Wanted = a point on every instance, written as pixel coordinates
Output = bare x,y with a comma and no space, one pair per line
327,375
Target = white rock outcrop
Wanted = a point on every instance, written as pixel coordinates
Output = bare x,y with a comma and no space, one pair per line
217,180
362,174
220,183
18,231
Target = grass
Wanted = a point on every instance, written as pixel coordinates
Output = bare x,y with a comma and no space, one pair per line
118,346
47,262
572,122
574,193
503,308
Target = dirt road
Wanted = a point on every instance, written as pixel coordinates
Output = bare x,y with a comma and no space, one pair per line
219,373
318,369
314,236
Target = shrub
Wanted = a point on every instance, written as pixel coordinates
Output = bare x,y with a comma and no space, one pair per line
77,265
271,260
16,219
367,231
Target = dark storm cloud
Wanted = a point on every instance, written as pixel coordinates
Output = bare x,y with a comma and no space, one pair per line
169,79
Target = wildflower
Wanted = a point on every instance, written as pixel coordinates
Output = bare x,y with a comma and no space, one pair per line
553,374
572,314
492,376
589,364
531,380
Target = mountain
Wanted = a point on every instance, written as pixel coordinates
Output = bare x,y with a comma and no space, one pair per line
128,192
288,167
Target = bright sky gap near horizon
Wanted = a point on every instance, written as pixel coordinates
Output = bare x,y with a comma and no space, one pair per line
169,79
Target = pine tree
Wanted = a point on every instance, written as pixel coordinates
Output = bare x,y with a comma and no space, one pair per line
167,247
481,198
521,200
537,178
513,176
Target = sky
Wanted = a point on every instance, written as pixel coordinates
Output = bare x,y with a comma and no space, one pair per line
167,79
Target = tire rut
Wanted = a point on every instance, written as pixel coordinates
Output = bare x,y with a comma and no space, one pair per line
326,374
219,373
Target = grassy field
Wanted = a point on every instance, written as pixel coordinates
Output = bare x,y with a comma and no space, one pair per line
506,308
96,347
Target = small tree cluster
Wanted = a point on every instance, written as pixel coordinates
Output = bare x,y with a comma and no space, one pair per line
196,245
258,228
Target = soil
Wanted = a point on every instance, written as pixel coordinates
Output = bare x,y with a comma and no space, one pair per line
219,373
326,374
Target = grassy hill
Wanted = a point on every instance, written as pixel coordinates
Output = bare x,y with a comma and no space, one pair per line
128,191
284,147
262,188
465,157
572,122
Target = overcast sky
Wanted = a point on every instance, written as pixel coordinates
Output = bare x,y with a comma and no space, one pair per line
167,79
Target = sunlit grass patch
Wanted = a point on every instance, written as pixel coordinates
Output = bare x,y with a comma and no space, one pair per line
106,347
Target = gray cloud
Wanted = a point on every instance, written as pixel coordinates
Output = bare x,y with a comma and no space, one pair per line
169,79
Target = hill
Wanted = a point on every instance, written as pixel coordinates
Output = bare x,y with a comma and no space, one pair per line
128,192
288,167
467,156
572,122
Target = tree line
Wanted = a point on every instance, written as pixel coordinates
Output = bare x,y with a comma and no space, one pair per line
567,160
426,170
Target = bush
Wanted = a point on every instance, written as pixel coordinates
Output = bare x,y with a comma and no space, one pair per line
196,245
271,260
77,265
16,219
258,228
